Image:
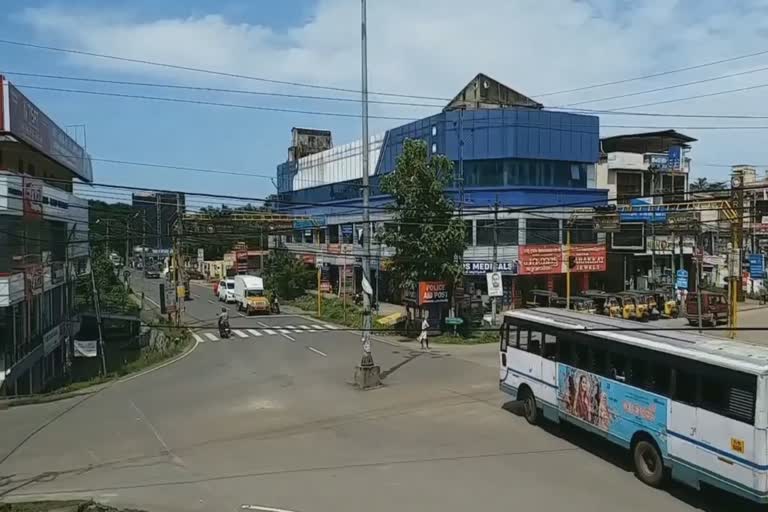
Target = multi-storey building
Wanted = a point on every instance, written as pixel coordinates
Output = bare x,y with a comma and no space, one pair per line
43,243
505,147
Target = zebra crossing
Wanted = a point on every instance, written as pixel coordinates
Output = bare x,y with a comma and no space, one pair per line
277,330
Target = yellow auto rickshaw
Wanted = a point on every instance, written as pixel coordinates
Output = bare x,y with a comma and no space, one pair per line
631,309
667,303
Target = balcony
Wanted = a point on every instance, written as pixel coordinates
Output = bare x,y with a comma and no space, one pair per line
11,289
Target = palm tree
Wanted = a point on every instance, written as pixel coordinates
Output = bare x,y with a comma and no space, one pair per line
700,185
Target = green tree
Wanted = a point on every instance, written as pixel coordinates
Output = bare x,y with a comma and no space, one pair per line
113,296
426,235
287,275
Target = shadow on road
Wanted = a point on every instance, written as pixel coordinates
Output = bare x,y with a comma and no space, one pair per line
411,356
708,499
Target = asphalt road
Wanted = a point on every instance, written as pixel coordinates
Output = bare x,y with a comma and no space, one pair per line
272,421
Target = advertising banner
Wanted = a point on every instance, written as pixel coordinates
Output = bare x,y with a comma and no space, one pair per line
86,348
589,257
494,284
31,125
611,406
541,259
756,266
35,278
241,261
433,292
33,198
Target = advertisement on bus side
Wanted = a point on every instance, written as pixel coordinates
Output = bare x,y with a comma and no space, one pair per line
611,406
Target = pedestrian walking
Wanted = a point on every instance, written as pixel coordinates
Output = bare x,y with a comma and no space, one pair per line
423,338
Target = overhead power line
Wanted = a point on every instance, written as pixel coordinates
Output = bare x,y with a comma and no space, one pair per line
667,88
208,103
216,89
210,71
653,75
687,98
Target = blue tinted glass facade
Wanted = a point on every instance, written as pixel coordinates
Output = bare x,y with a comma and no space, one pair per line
510,147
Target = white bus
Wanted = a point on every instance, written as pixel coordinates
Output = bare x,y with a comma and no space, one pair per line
687,406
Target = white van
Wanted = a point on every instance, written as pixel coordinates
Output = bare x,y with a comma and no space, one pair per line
249,295
226,290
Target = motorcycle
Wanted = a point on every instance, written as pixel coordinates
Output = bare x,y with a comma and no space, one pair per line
275,306
224,330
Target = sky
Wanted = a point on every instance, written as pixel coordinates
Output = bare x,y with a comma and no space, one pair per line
416,47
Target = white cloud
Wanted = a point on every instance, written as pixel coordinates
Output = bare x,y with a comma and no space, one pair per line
432,48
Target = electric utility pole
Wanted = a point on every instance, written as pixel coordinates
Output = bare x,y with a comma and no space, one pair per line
367,374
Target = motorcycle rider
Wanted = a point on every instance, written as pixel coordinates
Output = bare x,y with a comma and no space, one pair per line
224,322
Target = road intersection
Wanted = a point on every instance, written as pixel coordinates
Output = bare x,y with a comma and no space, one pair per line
270,421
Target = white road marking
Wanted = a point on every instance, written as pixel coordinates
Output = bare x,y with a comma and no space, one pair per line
254,332
153,302
287,326
242,315
303,327
313,349
209,300
292,339
198,338
262,324
312,330
329,326
318,327
284,331
240,333
210,336
152,428
270,331
263,509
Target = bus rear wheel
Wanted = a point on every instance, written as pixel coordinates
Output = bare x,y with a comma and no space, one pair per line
649,467
530,411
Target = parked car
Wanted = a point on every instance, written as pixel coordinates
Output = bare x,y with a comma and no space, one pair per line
152,273
226,291
714,308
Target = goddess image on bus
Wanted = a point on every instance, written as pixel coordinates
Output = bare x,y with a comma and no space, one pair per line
683,404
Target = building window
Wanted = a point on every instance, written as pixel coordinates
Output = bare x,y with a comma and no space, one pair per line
582,232
468,233
307,236
321,236
434,130
542,231
628,185
525,172
507,230
333,234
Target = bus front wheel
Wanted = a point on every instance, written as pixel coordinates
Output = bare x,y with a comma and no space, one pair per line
530,411
649,467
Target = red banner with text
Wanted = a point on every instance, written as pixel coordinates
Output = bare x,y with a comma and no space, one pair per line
541,259
589,257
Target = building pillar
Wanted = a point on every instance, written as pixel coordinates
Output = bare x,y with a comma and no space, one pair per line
585,281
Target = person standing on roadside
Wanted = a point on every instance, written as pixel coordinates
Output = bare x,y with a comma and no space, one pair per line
423,338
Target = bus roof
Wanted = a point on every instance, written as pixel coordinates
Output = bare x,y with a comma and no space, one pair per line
734,354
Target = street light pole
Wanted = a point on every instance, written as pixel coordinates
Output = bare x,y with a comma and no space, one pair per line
366,374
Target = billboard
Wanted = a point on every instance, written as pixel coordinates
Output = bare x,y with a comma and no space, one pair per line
589,257
33,198
476,268
31,125
433,292
541,259
610,406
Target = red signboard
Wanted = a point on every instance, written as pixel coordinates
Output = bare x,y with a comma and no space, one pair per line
309,259
433,292
33,198
589,257
541,259
241,258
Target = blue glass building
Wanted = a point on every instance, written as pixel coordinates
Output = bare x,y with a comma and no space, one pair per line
509,147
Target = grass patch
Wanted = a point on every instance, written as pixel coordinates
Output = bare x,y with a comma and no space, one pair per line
474,338
333,310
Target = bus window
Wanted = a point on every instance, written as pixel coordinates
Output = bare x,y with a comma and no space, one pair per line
550,347
534,343
521,340
723,396
566,350
685,387
617,366
660,379
581,356
598,360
